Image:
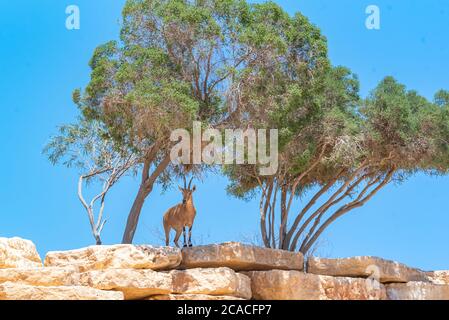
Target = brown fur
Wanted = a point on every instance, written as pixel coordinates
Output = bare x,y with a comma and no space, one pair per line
180,216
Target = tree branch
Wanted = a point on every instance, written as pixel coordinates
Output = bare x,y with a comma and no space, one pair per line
358,202
312,201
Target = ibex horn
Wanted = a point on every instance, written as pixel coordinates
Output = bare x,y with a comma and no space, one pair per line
190,182
185,183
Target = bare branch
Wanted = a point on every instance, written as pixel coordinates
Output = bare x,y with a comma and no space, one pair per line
358,202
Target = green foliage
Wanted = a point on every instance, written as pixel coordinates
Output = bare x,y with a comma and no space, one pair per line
393,127
408,126
85,146
442,98
179,61
234,64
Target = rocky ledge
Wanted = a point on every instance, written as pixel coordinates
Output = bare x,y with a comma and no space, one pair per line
228,271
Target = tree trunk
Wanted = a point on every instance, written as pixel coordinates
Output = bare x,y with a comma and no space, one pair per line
144,190
284,218
263,211
358,202
134,214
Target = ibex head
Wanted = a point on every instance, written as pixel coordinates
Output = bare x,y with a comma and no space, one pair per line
186,191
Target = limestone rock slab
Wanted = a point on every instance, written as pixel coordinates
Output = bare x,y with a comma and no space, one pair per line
385,271
120,256
139,284
134,283
439,277
212,281
49,276
16,291
416,290
296,285
239,257
18,253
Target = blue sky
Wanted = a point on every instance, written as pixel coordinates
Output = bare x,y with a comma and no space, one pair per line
41,62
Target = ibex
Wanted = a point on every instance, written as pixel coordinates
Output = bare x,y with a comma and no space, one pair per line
181,216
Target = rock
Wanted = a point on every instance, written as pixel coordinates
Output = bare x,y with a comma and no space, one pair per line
139,284
239,257
51,276
216,281
439,277
18,253
134,283
191,297
417,291
121,256
340,288
385,271
16,291
296,285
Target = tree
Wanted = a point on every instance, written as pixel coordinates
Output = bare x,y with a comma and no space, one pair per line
179,61
85,145
344,154
231,64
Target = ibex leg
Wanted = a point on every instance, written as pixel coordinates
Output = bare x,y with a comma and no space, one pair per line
167,234
184,234
190,236
178,234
